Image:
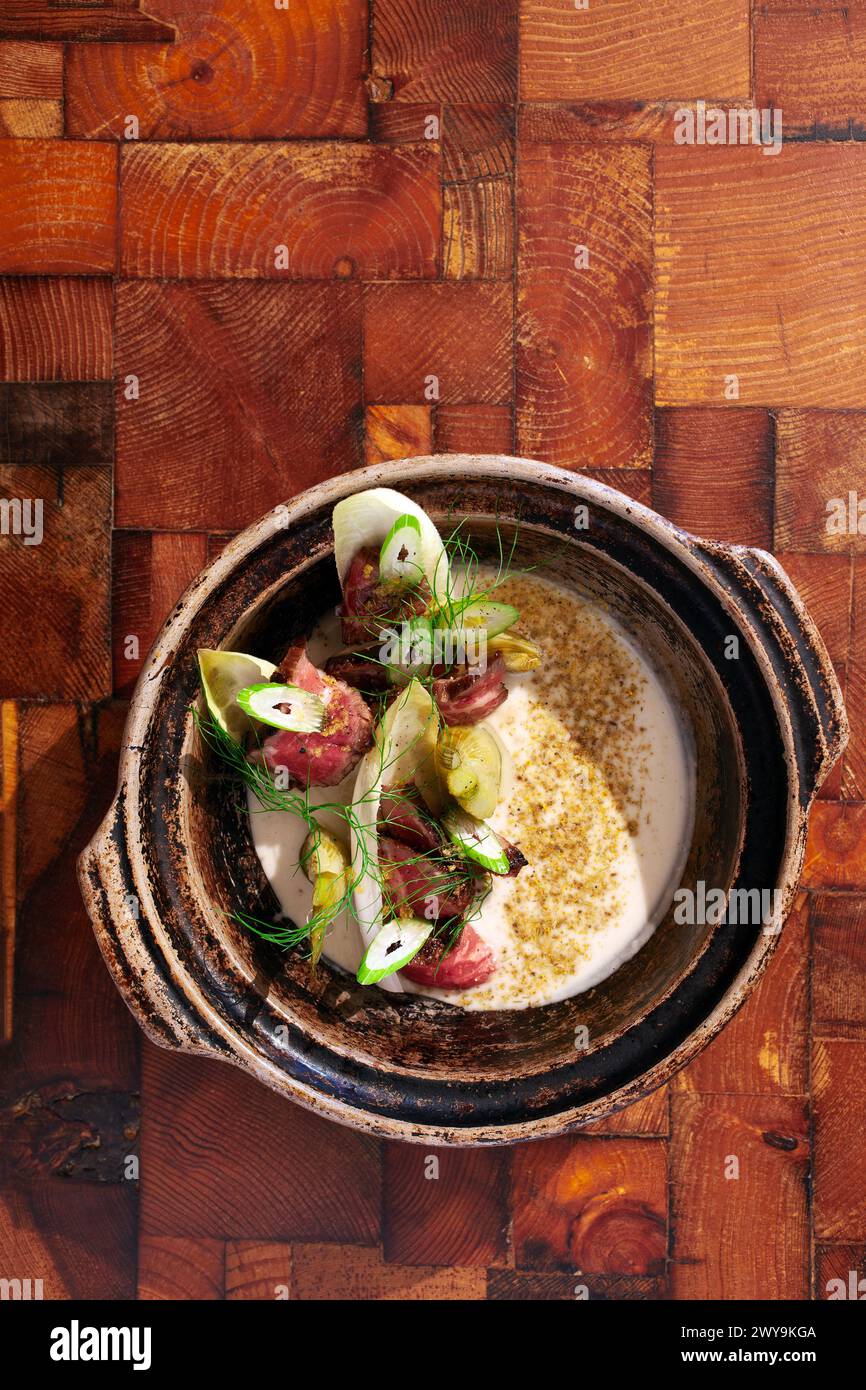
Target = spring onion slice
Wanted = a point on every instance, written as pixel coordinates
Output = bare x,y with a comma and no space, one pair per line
476,840
393,946
305,715
400,556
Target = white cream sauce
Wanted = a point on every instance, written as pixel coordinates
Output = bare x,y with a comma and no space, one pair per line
600,798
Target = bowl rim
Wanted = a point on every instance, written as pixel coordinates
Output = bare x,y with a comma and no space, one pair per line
696,554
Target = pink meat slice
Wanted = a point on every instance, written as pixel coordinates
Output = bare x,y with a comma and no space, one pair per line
369,605
322,759
465,698
470,962
417,880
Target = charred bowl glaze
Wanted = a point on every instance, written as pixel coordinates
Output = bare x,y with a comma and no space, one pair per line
174,858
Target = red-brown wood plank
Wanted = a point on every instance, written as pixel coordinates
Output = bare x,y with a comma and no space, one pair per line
176,1267
595,1205
236,71
712,473
55,329
59,207
626,48
78,1238
32,70
446,50
279,211
854,757
643,1117
8,862
397,432
258,1270
739,1165
765,1047
108,19
473,429
55,450
264,374
735,295
810,61
836,847
339,1272
445,1206
149,574
284,1173
839,965
583,342
23,118
839,1099
416,347
820,461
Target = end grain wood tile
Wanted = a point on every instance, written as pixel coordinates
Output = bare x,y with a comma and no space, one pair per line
477,239
175,1267
59,209
32,70
235,71
258,1270
8,862
473,429
626,48
839,965
595,1205
649,122
477,142
270,374
414,334
79,1238
397,432
81,20
715,1215
820,462
811,62
279,211
395,123
258,1158
446,50
735,294
55,329
445,1206
71,1023
24,118
836,847
340,1272
765,1048
854,757
584,368
712,473
148,575
515,1286
55,455
840,1272
839,1099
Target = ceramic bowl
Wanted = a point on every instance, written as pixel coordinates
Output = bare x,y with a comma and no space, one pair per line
173,858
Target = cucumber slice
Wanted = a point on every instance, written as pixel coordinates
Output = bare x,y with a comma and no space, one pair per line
400,557
476,840
393,946
494,617
223,675
306,713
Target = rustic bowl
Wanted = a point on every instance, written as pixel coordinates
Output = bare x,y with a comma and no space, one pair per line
174,857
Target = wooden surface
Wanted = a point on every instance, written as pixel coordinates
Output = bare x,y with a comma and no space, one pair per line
340,237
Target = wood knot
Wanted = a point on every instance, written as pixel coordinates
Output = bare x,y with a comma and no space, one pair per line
379,88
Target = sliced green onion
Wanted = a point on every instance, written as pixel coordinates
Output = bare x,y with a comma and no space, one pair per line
476,840
493,617
393,946
400,557
305,713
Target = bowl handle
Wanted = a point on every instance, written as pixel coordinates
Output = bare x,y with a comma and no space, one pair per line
138,966
807,682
